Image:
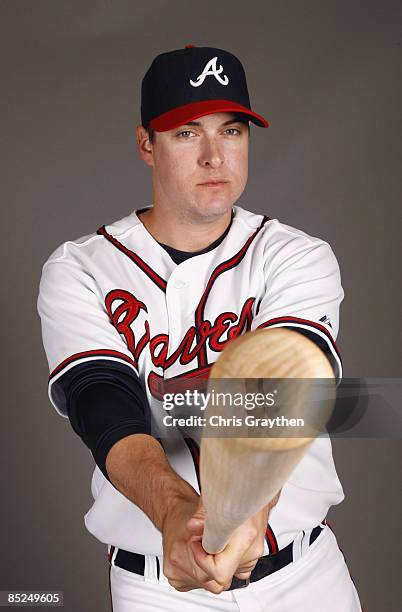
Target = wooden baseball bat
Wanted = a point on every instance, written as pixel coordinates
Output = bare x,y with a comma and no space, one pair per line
241,475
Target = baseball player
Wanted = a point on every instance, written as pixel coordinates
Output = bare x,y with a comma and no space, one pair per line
148,303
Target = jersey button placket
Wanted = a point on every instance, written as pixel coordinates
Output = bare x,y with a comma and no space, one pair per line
176,302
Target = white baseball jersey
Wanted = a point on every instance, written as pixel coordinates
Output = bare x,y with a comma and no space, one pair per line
117,295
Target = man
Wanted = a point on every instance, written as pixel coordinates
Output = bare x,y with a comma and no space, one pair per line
148,303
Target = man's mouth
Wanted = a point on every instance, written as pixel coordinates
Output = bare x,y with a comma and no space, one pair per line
214,183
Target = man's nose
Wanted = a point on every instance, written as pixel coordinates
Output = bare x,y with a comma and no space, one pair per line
211,155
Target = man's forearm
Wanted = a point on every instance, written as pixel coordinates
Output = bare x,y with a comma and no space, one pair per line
138,468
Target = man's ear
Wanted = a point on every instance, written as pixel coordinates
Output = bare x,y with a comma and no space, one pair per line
145,147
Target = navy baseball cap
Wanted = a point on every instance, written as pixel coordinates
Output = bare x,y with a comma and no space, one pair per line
188,83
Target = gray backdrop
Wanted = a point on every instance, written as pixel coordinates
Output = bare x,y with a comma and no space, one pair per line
327,75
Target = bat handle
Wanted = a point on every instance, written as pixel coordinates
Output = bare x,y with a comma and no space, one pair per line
215,540
218,528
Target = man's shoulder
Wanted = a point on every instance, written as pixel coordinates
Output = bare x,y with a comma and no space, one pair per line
89,243
274,229
286,232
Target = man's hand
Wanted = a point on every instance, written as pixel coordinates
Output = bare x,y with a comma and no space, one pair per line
138,468
179,565
241,553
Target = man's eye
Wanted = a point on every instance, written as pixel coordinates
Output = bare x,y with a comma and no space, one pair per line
233,130
184,134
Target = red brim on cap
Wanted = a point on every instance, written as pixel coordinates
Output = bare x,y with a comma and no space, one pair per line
188,112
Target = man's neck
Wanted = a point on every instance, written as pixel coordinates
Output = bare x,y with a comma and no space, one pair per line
181,234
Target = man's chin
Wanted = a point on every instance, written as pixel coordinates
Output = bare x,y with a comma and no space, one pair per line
213,209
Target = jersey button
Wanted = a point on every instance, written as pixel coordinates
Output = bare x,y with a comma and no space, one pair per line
179,284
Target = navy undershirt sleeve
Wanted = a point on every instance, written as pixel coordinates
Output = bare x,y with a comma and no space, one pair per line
105,403
323,345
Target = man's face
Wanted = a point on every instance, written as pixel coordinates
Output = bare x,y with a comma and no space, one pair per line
200,169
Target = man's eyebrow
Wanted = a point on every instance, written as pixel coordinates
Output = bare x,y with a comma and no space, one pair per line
235,120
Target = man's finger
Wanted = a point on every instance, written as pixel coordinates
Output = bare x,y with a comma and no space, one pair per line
219,567
243,576
181,586
247,567
195,525
205,561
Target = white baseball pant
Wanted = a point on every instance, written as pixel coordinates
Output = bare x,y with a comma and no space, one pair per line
317,580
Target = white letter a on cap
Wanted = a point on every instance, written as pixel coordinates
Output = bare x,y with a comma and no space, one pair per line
210,70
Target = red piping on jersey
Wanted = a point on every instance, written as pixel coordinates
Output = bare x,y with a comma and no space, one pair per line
271,539
301,321
97,353
223,267
158,280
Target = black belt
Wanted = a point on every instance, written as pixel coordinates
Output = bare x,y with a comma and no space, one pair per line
133,562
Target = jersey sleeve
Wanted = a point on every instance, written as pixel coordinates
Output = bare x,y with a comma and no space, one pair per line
303,290
75,324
